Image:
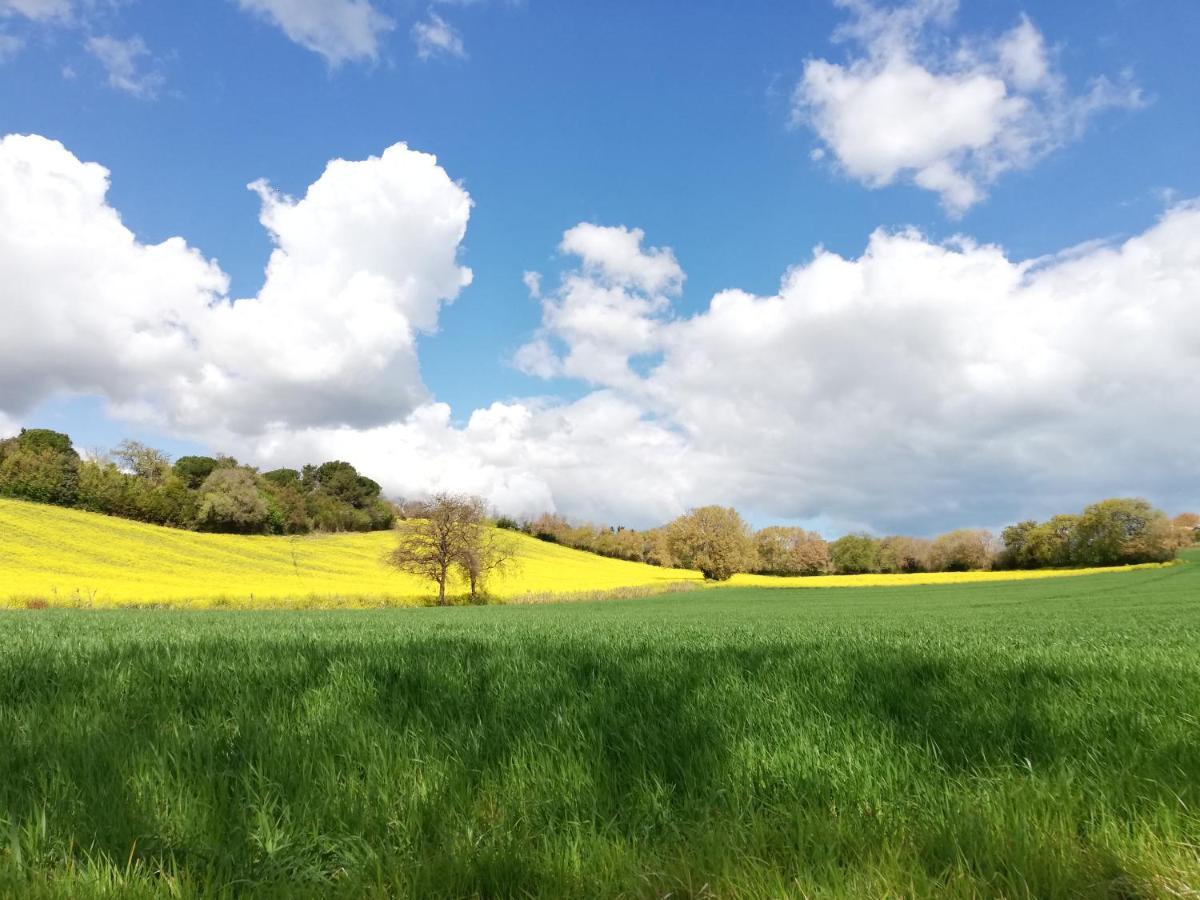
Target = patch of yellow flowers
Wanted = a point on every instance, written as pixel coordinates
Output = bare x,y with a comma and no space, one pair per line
64,557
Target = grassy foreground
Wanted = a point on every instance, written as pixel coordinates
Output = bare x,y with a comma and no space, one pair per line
1024,739
65,557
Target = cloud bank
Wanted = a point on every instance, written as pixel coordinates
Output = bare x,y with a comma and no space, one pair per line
915,386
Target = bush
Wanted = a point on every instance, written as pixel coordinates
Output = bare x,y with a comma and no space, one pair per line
39,465
230,501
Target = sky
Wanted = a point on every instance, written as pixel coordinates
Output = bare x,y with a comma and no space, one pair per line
896,266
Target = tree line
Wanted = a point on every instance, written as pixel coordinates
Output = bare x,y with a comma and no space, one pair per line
718,542
202,493
218,494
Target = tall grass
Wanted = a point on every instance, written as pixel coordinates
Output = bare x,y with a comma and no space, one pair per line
1023,739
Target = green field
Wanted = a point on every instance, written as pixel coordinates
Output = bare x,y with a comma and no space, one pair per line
1021,739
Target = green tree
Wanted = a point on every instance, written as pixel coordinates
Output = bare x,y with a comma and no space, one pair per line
1017,553
854,554
1052,544
230,501
713,539
39,465
1123,530
287,509
283,477
195,469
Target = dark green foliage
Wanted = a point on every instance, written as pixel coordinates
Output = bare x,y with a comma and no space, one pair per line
508,523
1026,739
194,469
287,509
39,465
42,466
39,439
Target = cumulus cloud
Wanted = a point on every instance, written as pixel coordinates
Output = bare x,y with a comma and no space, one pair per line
950,118
924,384
361,264
123,61
339,30
617,256
916,386
606,312
436,37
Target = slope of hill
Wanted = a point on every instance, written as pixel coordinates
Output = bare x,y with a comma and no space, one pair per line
65,557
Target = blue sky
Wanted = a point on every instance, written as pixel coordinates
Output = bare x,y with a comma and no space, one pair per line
682,121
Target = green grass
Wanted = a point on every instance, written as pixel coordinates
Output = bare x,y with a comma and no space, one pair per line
1022,739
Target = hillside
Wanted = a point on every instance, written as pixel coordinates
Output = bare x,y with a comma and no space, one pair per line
64,555
68,557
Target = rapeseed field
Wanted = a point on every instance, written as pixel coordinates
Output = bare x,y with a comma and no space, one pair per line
64,557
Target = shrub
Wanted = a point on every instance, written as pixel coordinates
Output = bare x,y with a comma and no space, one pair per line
230,501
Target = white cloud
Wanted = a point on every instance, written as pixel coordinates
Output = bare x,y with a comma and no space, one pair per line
362,263
436,37
922,385
606,312
122,61
339,30
38,10
917,386
951,120
616,254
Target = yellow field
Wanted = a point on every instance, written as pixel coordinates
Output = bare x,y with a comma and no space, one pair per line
67,558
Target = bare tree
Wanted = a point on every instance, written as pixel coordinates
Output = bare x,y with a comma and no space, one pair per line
450,533
142,461
485,552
